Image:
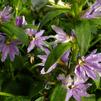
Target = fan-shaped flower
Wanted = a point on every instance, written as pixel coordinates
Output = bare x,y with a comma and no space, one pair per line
76,88
11,49
5,14
62,36
37,39
89,66
94,11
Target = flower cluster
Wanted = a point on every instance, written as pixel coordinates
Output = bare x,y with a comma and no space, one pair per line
7,47
85,67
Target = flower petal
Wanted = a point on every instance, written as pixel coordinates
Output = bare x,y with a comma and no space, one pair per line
80,72
68,95
39,34
31,46
5,51
65,56
61,35
76,95
90,73
49,70
13,51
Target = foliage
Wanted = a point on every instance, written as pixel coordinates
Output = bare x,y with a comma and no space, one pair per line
75,37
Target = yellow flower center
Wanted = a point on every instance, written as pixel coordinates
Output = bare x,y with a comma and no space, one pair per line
81,62
7,42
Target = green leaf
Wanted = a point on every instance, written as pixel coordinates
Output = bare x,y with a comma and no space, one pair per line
23,85
90,98
99,99
40,99
96,21
5,94
16,98
51,15
18,32
83,33
58,94
56,53
97,82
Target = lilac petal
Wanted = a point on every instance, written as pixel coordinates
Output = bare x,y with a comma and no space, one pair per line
99,1
6,18
16,50
30,32
58,30
61,35
80,92
76,95
19,21
95,66
65,56
68,95
90,72
83,73
13,51
5,52
46,50
80,72
31,46
39,43
49,70
82,89
45,37
82,86
39,34
95,57
77,70
43,58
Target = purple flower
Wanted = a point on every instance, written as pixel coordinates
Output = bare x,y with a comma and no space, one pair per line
89,66
11,49
37,39
20,21
5,14
77,91
94,11
61,36
75,87
64,59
